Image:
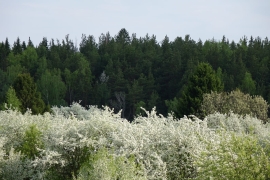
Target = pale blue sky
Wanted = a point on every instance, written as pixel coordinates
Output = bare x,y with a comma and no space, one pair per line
205,19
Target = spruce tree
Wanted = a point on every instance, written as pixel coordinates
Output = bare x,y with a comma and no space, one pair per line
30,43
27,93
203,80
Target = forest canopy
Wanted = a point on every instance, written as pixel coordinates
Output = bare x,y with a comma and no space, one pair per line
126,72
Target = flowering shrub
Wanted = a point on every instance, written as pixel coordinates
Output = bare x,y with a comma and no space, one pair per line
235,157
102,165
75,142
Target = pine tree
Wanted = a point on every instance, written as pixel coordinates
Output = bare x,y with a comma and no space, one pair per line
17,47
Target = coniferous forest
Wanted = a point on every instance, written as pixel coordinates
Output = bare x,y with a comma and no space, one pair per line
126,72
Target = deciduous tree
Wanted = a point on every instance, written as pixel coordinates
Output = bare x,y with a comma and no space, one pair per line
12,100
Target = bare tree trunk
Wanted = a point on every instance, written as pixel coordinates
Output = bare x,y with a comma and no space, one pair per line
120,103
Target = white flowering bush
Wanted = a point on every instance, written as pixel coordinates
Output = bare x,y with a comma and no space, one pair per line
90,143
102,165
236,156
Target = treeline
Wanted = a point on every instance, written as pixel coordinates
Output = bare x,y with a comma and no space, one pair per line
128,72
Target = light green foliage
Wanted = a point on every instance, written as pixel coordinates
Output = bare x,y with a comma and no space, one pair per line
52,87
220,75
7,78
11,99
29,59
248,84
103,165
31,142
172,105
234,157
138,107
14,59
235,101
13,71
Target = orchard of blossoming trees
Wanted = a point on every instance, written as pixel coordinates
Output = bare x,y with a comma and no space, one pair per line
91,143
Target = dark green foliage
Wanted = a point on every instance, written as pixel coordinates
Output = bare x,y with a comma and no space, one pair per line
23,46
88,48
135,91
102,90
203,80
27,93
123,37
17,47
4,52
76,159
162,67
153,101
30,43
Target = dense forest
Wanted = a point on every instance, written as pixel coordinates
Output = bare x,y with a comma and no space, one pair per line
128,72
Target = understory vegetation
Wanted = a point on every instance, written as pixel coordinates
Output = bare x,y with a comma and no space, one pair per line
95,143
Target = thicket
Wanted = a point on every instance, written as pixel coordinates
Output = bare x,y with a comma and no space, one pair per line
235,101
125,71
84,143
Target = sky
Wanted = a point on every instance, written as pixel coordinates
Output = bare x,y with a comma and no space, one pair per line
201,19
